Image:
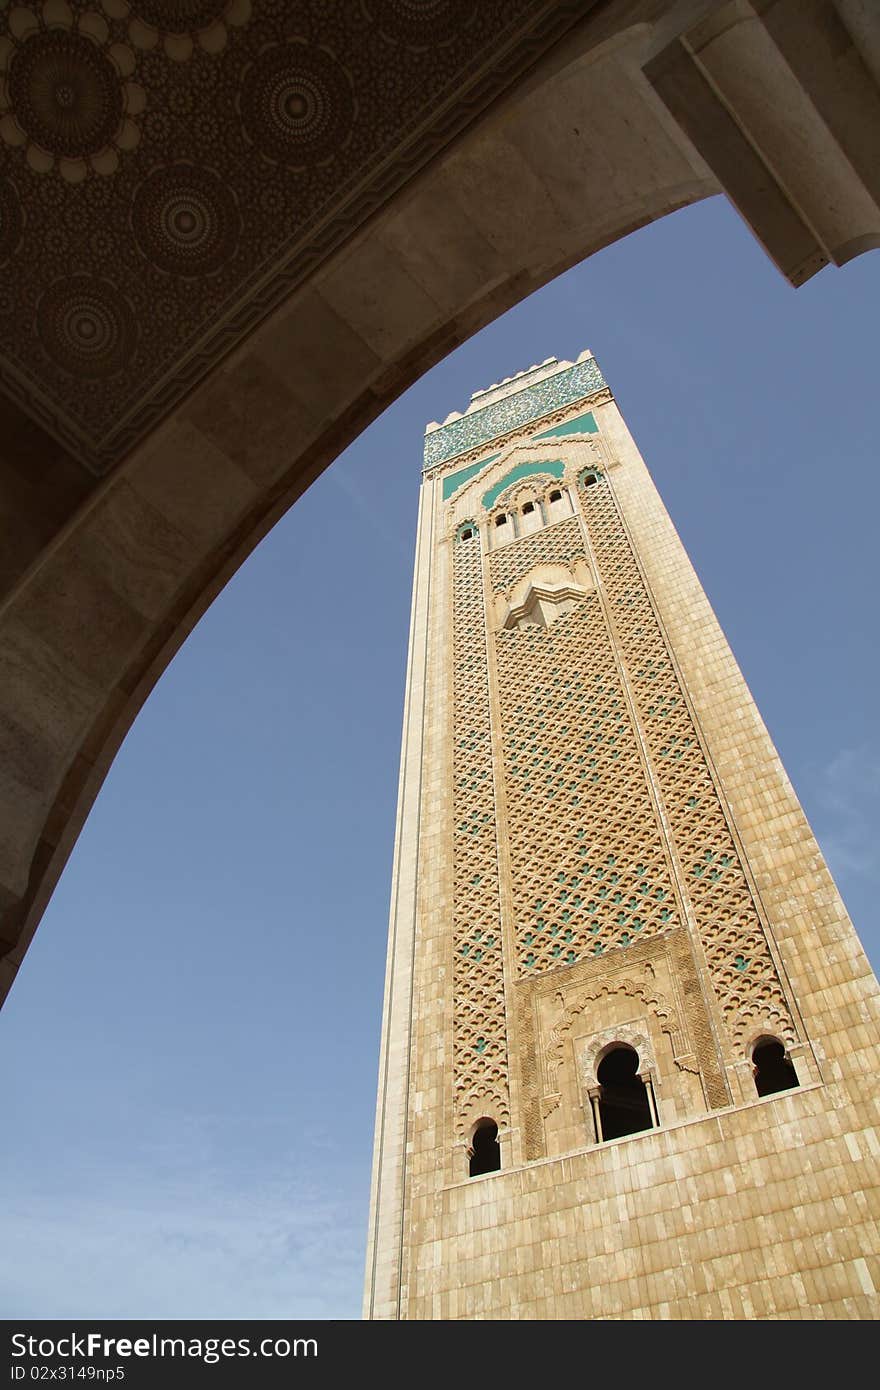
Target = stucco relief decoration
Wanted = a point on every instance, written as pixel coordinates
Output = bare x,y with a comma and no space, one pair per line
554,1051
12,221
179,25
298,105
737,952
86,326
535,485
588,867
419,24
185,220
560,546
480,1033
591,1051
469,431
183,165
65,94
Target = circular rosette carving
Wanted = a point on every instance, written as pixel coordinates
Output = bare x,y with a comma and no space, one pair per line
185,220
86,326
11,221
420,23
180,24
66,93
297,105
65,98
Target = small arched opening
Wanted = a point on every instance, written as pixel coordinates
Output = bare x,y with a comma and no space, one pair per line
624,1104
773,1068
485,1151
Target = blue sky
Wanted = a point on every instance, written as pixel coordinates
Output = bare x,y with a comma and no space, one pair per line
189,1055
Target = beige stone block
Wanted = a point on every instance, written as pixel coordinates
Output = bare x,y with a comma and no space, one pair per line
376,297
250,413
191,481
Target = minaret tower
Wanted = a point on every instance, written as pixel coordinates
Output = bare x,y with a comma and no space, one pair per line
630,1045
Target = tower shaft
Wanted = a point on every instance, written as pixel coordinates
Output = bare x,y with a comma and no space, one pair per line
630,1038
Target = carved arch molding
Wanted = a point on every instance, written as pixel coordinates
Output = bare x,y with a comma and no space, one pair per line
550,1007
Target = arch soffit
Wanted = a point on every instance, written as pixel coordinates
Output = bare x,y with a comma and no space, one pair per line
150,547
164,533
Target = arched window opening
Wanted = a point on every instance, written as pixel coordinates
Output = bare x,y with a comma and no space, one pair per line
774,1071
555,495
590,480
466,534
624,1103
528,508
485,1151
501,519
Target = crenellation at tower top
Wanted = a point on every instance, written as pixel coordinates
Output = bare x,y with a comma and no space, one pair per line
511,404
509,386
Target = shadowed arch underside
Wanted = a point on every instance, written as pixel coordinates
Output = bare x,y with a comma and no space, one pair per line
578,124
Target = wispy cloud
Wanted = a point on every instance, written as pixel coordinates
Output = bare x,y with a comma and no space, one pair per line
182,1243
365,504
847,794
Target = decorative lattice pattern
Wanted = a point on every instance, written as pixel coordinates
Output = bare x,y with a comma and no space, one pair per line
480,1034
741,967
588,867
554,545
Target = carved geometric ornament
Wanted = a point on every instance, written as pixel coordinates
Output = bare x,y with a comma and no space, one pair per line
171,169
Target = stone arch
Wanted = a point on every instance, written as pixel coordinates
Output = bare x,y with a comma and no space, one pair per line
622,1035
653,1001
503,492
104,578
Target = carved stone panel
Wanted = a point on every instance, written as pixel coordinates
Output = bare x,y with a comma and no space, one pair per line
568,1017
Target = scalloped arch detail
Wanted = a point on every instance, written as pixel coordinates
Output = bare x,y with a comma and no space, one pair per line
554,468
